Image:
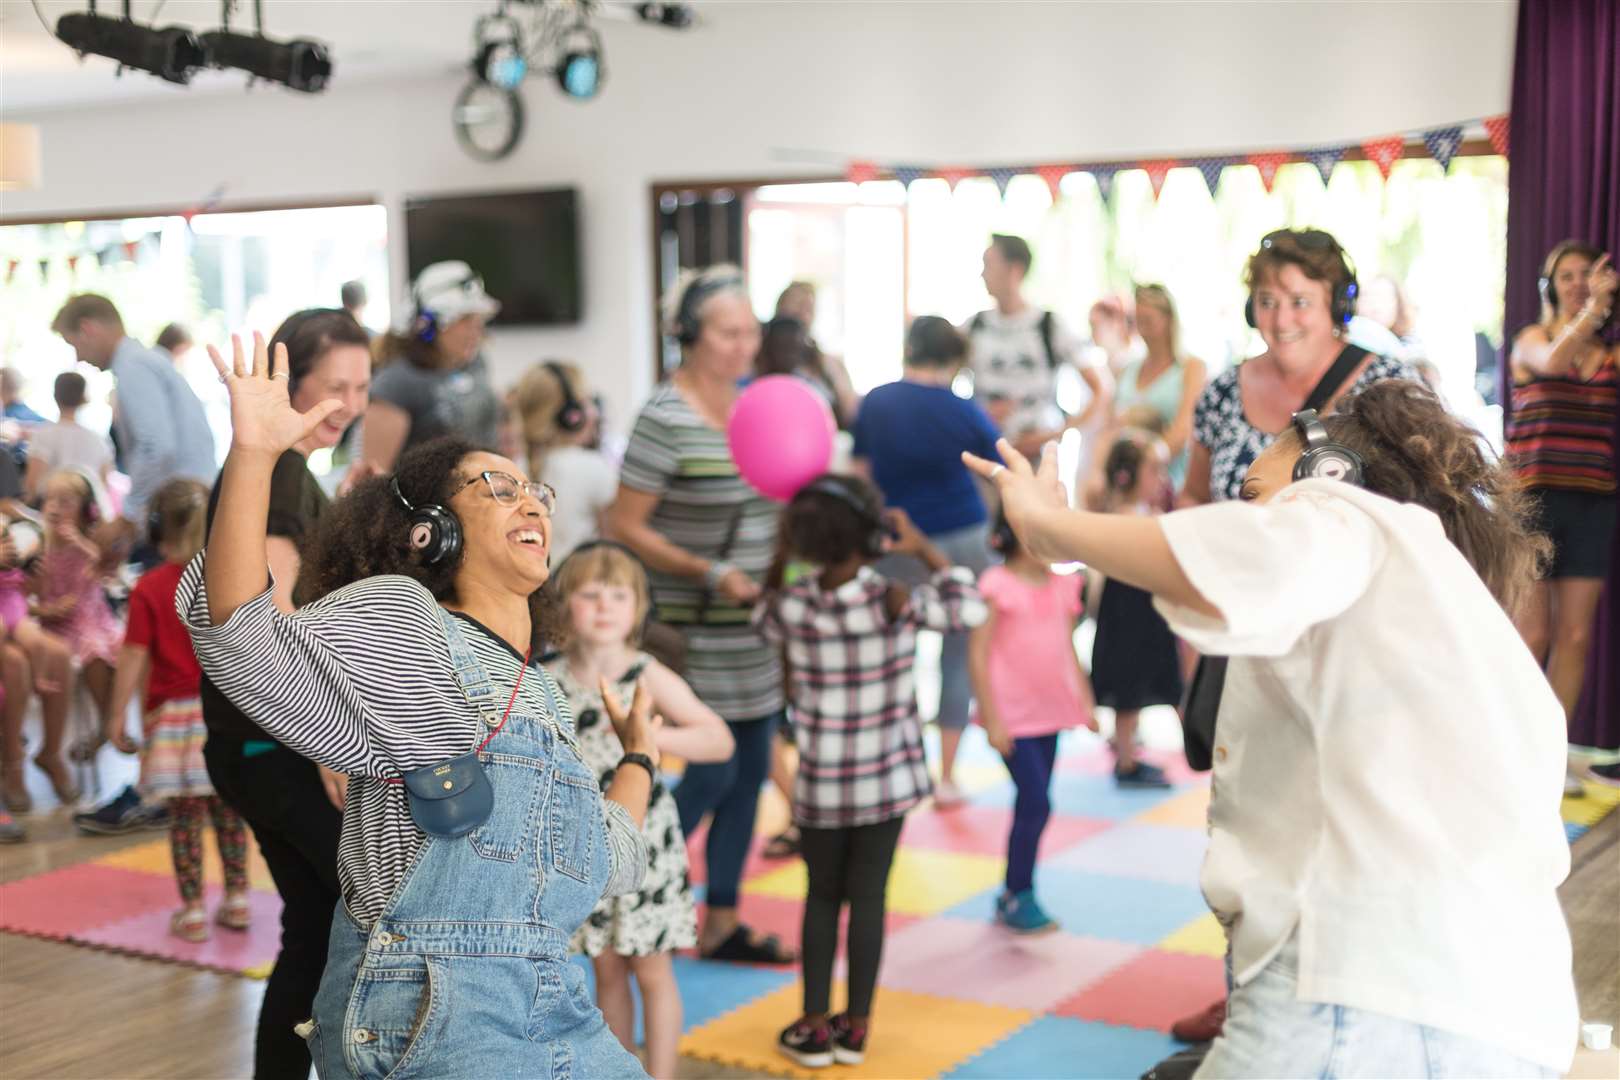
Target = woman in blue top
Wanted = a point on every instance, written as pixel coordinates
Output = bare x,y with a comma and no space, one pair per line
909,438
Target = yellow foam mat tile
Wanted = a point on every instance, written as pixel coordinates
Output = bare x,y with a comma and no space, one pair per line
154,858
979,776
1201,937
1593,807
922,883
913,1035
1190,809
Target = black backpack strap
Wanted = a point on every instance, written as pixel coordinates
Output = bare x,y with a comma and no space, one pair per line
1333,378
1047,327
977,322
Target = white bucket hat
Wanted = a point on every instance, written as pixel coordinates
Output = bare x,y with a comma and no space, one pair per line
450,290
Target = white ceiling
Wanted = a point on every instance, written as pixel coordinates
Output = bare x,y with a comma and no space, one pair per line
369,39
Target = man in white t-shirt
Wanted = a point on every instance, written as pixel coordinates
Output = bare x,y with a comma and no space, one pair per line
1017,351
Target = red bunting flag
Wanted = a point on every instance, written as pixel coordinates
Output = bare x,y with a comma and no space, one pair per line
954,176
1384,152
11,269
1497,128
859,172
1268,164
1157,171
73,264
130,247
1053,175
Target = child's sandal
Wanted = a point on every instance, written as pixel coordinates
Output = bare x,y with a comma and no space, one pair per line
235,913
190,924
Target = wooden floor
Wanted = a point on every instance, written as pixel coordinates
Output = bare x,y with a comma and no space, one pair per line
73,1012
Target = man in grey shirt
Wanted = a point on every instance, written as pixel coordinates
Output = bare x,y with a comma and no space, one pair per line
160,423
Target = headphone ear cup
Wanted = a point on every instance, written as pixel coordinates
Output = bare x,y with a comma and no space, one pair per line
434,534
154,528
1248,312
427,327
571,418
1548,296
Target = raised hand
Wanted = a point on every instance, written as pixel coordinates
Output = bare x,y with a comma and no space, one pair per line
635,726
263,421
1027,493
1601,283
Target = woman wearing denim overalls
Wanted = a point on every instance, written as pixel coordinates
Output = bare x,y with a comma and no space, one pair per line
474,840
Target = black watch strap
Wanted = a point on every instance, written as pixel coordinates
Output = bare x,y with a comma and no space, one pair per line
644,761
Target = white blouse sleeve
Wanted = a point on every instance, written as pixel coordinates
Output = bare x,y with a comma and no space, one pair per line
1274,571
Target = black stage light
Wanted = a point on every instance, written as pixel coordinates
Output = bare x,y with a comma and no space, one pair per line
299,64
579,63
676,16
172,53
499,60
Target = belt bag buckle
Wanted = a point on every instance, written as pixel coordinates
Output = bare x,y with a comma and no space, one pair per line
452,798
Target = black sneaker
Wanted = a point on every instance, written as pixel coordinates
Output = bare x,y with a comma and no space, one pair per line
807,1044
848,1041
123,814
1606,774
1141,775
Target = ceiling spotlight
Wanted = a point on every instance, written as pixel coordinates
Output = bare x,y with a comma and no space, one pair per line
499,60
676,16
579,63
299,65
173,53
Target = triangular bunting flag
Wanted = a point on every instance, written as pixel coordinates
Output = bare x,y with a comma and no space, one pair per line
1210,168
11,269
73,264
1268,164
1497,128
906,174
1002,177
954,176
1104,175
1157,171
1384,152
1443,144
44,269
1324,158
105,255
1053,175
859,172
130,248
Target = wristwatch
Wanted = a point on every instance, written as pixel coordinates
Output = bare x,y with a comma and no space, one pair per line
716,572
644,761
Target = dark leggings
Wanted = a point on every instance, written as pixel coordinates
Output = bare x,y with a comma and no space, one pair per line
280,796
845,865
731,790
1030,763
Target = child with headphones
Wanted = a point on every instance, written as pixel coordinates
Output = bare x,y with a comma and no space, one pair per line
850,637
1029,686
558,422
605,601
1363,587
31,660
1134,663
156,658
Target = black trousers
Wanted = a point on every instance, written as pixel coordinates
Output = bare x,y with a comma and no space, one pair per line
851,866
280,796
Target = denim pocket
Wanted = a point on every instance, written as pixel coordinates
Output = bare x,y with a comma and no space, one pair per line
394,1014
576,819
518,783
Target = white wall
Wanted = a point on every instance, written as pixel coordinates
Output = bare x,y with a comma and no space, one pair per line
931,83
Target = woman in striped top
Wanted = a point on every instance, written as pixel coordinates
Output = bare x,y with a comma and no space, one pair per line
707,539
424,589
1560,437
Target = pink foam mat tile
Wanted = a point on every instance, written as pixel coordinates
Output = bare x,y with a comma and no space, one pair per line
987,964
230,951
1153,990
67,903
983,831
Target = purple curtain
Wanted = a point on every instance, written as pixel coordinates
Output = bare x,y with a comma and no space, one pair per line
1564,181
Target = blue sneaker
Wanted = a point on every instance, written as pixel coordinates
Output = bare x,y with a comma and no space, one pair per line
1141,775
1020,913
125,813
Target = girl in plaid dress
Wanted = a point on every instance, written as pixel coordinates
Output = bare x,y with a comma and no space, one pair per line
849,637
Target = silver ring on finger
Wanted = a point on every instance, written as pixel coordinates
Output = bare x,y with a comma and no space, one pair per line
279,375
226,377
997,471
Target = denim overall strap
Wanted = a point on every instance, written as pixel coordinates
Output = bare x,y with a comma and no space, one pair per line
474,681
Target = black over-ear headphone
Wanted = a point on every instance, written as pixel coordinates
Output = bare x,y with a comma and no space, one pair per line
688,320
1322,458
1344,295
154,516
835,487
571,413
434,533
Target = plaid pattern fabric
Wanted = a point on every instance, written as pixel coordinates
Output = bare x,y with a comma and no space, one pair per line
854,698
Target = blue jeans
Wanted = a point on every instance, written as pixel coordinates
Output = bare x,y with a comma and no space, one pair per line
1269,1032
1030,763
731,790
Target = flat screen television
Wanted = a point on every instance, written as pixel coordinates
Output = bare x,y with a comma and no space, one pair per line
525,245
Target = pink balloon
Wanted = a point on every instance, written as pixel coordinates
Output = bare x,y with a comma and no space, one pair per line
781,435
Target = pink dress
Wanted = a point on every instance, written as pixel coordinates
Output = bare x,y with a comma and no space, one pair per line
13,598
91,630
1035,680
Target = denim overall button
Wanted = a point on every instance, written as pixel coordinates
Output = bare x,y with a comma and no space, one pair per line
384,938
361,1035
492,720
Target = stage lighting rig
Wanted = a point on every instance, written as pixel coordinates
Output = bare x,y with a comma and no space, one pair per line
300,64
675,16
579,63
499,59
172,53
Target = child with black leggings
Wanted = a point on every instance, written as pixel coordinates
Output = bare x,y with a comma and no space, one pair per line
849,636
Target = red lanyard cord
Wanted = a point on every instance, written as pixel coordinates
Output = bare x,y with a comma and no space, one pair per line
496,730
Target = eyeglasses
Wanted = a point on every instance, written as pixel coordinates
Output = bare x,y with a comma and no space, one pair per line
508,490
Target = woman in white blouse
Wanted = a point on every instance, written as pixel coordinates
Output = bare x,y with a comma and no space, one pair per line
1385,918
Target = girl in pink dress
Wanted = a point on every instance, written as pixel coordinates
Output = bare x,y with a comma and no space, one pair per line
30,660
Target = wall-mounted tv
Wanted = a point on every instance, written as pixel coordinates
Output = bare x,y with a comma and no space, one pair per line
525,244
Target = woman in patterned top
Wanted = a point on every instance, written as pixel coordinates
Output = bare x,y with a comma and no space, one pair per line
707,539
449,953
1302,291
1560,437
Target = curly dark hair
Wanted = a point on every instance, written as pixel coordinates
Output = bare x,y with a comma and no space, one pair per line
1414,451
825,529
365,533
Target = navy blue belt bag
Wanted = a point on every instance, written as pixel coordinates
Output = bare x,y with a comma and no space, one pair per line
452,798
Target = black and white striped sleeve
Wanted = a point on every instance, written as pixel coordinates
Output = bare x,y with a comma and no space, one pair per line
356,681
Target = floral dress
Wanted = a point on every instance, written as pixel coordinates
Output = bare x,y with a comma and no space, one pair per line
662,917
90,629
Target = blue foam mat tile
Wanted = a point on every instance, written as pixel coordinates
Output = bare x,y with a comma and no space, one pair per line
709,990
1057,1046
1574,831
1087,795
1102,906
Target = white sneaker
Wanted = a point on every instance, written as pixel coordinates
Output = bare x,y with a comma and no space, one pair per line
948,795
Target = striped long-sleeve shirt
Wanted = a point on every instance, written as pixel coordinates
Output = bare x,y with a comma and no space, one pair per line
360,681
